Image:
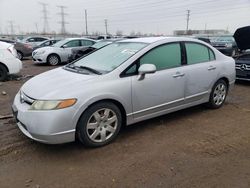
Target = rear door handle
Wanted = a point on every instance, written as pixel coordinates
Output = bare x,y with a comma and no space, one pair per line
211,68
178,74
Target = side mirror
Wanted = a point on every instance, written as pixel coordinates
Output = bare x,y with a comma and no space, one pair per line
146,69
64,46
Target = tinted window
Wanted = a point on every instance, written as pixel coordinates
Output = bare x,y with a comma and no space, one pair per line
73,43
197,53
163,57
40,39
211,55
31,40
86,43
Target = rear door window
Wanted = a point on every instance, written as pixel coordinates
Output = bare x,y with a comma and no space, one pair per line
86,43
73,43
197,53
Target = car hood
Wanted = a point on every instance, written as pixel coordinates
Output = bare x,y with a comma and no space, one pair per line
46,48
55,84
242,38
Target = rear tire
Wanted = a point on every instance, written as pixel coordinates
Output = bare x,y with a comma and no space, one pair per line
99,124
218,94
53,60
3,73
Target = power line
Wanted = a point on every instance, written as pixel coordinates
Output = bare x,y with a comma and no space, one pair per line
45,17
62,22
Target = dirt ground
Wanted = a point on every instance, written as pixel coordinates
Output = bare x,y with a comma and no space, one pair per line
196,147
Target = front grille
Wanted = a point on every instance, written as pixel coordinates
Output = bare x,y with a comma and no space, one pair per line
242,67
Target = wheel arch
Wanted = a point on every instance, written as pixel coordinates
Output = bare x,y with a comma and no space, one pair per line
55,55
224,79
116,102
5,66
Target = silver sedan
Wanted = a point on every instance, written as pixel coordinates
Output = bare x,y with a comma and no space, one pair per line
121,84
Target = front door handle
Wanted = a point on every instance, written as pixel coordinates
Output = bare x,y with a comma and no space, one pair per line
211,68
178,74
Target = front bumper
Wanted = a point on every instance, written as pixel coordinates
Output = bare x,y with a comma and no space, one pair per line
50,127
39,58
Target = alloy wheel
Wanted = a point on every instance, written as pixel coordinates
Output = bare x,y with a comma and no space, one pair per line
219,94
102,125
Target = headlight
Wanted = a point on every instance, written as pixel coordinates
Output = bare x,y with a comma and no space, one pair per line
52,105
40,52
229,45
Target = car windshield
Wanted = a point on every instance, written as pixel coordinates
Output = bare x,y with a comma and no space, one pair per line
101,44
60,43
224,39
110,57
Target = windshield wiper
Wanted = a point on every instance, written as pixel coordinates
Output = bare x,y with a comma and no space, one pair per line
90,69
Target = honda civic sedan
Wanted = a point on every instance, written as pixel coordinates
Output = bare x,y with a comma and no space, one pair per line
120,84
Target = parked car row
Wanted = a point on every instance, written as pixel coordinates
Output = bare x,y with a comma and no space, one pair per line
242,37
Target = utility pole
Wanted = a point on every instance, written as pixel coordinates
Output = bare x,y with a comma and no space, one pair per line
188,18
45,17
106,26
86,22
11,25
63,22
36,26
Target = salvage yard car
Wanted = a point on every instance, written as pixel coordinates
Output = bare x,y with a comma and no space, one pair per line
242,61
9,64
120,84
60,51
23,49
226,45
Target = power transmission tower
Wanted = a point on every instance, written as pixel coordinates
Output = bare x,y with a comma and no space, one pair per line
62,22
106,26
11,25
188,18
45,17
86,22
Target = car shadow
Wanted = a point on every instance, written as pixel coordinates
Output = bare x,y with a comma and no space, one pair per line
243,82
125,133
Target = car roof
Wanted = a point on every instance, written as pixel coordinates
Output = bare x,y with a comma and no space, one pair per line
150,40
4,45
81,38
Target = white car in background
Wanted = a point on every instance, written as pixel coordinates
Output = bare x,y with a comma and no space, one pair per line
60,51
9,63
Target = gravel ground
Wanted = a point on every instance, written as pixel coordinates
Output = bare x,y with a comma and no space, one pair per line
196,147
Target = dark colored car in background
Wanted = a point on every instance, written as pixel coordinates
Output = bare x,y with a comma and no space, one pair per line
242,61
78,53
46,43
23,49
226,45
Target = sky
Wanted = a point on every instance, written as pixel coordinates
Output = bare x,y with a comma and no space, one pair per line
145,16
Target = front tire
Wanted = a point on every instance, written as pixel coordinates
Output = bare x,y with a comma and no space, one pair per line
99,124
53,60
3,73
218,94
19,55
